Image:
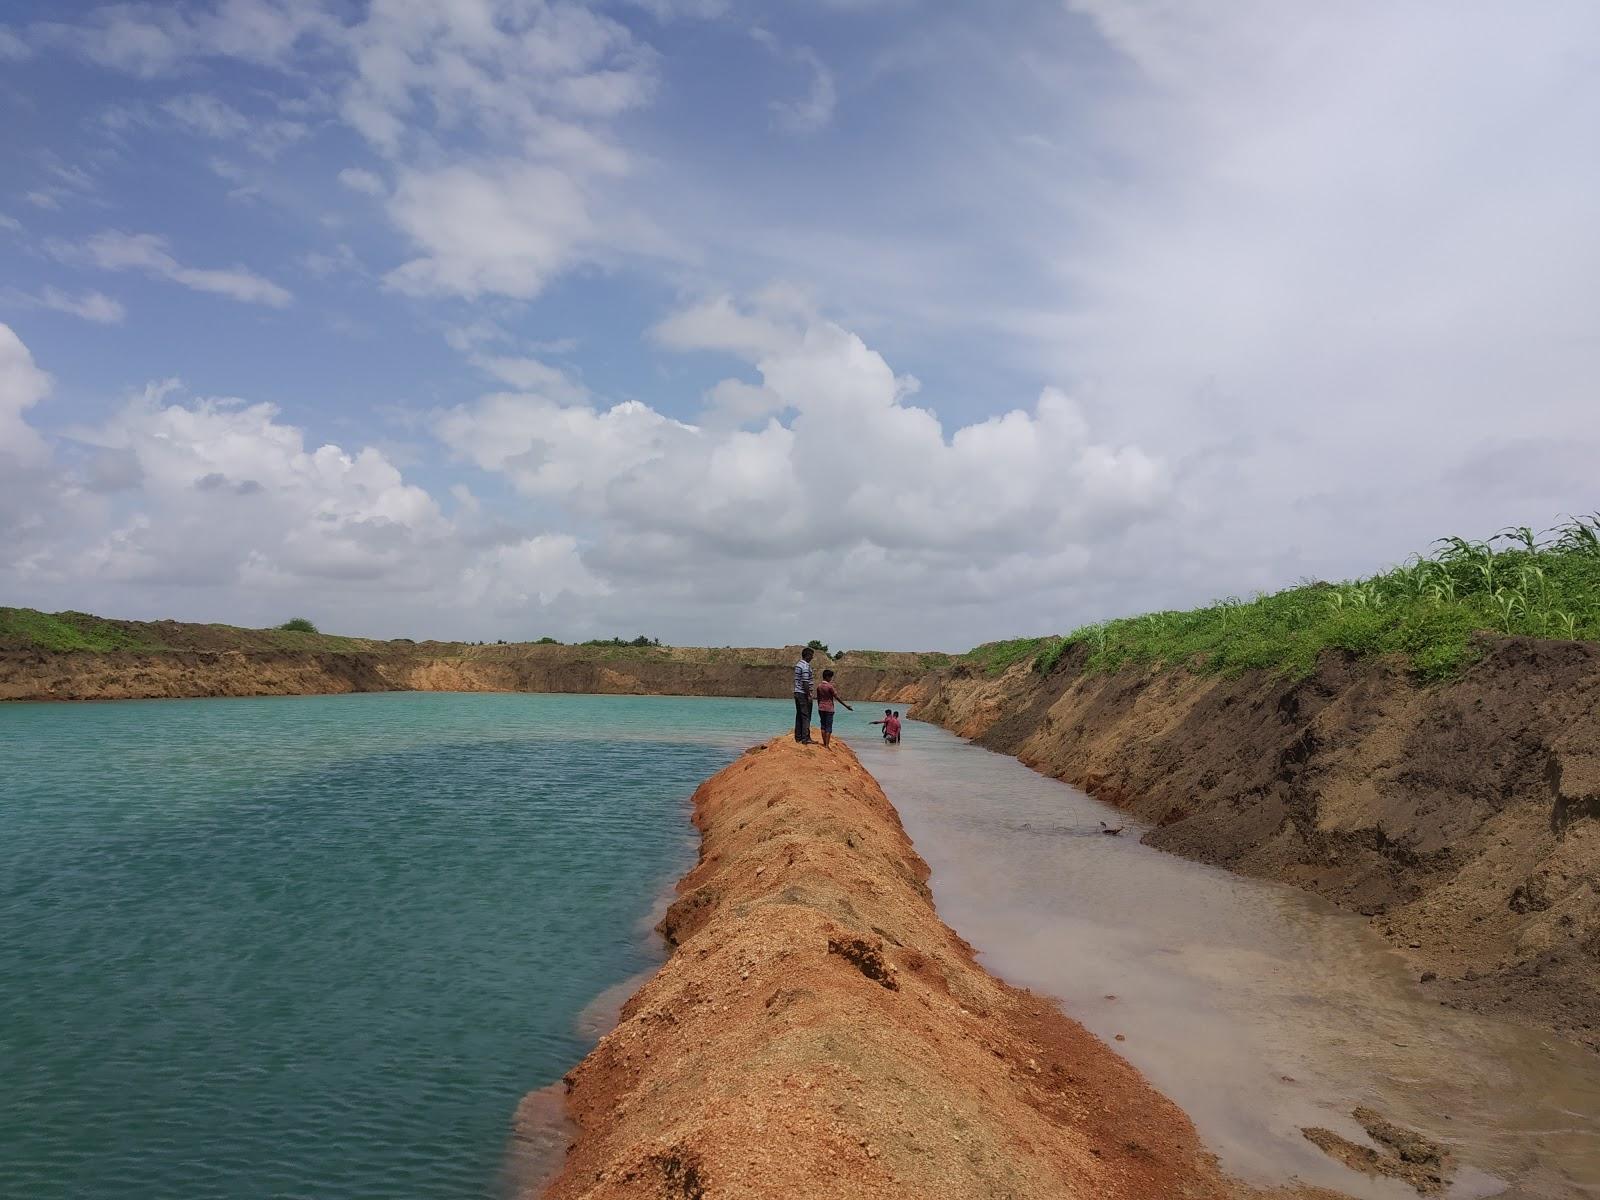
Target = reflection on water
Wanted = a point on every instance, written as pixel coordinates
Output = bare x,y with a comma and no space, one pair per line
1258,1008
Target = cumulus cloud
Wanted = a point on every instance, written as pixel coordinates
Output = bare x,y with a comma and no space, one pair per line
857,483
224,503
112,250
503,227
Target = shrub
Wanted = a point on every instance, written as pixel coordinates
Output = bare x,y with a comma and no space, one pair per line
298,625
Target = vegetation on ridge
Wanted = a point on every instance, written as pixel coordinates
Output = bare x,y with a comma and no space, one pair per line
1429,610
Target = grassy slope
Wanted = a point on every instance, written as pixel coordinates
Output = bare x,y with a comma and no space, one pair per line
1429,611
26,629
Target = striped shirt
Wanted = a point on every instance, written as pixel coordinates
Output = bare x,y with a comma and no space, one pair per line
802,678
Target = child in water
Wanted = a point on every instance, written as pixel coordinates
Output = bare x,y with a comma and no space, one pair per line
891,726
827,695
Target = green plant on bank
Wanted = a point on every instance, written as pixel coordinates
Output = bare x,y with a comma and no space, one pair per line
26,629
298,625
994,658
639,642
1429,611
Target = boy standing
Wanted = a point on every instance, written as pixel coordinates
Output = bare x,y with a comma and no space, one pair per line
827,694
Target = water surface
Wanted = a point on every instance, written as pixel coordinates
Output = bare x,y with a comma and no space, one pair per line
320,946
1257,1007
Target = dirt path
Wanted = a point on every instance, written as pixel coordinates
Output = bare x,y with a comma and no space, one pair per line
819,1032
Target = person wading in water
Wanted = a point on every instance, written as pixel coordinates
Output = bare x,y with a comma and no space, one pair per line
826,695
802,697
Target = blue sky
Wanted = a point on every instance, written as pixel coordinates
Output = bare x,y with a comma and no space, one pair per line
890,322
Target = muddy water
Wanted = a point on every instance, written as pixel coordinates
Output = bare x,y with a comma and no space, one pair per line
1258,1008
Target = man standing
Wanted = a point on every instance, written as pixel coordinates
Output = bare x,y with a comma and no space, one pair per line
802,697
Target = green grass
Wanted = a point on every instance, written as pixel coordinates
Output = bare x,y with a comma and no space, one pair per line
25,629
1429,612
995,658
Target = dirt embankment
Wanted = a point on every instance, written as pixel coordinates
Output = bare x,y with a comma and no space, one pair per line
817,1031
428,666
1462,818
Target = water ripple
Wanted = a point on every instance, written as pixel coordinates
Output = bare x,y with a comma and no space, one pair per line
320,946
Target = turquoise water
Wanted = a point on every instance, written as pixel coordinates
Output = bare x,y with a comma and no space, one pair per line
320,946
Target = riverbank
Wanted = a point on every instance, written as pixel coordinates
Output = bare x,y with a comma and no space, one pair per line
818,1031
1462,818
78,657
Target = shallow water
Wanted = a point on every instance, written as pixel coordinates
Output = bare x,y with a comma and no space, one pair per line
1257,1007
321,946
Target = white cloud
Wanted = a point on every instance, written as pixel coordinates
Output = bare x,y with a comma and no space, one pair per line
856,466
207,115
22,385
503,227
812,112
219,505
12,48
91,306
115,251
531,375
359,180
210,117
509,68
149,40
1336,247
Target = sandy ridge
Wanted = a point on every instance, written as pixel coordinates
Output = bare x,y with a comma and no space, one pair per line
818,1032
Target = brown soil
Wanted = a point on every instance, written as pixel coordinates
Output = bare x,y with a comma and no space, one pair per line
1462,818
212,666
818,1032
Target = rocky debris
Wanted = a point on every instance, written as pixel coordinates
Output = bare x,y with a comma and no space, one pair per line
868,959
1400,1153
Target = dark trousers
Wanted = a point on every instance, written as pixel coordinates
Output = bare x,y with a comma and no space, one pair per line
802,717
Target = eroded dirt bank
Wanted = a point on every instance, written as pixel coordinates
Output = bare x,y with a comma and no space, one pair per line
818,1032
1462,818
429,666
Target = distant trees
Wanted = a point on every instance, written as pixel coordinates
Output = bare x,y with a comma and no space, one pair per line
639,641
820,646
298,625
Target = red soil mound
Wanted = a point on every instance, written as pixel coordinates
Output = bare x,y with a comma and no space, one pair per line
819,1032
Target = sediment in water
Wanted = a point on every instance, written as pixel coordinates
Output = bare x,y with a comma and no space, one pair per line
1462,818
817,1031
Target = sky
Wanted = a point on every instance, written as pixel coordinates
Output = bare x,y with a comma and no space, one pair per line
740,322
